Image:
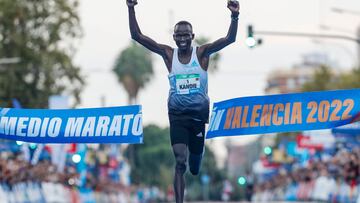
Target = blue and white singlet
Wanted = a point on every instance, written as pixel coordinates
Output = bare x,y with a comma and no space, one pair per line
188,95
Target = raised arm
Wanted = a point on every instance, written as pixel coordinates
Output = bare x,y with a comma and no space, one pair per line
208,49
142,39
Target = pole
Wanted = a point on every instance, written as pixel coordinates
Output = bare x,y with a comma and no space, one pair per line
299,34
358,46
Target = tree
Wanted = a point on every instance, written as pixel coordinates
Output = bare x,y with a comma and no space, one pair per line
350,80
209,168
324,79
40,33
214,58
153,160
134,69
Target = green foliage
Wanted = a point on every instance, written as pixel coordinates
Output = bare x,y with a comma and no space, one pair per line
153,160
214,58
350,80
194,190
217,176
134,69
324,79
209,166
39,33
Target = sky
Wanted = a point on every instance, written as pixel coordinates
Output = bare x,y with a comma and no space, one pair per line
243,71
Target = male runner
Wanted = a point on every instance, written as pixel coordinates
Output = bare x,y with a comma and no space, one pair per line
188,102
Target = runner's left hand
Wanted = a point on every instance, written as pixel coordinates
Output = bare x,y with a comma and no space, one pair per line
233,6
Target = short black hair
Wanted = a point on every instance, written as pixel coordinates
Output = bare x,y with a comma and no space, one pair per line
183,22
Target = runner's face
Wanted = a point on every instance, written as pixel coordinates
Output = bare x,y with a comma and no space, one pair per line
183,36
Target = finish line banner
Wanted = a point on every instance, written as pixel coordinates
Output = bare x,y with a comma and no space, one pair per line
284,113
93,125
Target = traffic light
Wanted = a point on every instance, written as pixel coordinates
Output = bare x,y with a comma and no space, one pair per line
241,180
250,40
267,150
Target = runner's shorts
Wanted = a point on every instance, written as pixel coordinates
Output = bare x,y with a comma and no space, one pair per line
189,132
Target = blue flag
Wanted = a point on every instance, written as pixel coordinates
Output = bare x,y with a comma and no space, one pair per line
93,125
284,113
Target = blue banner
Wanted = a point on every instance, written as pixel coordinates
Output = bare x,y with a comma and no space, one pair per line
352,129
284,113
93,125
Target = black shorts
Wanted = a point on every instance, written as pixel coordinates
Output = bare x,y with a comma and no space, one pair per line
189,132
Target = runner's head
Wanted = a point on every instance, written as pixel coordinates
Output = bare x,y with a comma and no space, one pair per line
183,35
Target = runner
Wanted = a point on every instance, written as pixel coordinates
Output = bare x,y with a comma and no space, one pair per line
188,102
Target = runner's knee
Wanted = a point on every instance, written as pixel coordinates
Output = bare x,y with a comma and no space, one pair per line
180,163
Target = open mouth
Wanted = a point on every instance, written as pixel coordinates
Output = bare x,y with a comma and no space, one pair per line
182,44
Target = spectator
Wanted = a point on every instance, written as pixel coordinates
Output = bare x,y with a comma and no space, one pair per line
335,180
323,186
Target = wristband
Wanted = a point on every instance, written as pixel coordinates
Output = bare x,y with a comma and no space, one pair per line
235,16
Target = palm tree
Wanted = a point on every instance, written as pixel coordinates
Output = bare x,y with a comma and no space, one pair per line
134,69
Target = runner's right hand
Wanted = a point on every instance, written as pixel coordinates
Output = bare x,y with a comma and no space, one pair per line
131,3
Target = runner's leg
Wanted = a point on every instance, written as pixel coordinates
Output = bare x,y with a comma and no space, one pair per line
196,146
180,152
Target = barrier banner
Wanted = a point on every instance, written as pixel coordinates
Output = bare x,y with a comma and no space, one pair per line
351,129
284,113
92,125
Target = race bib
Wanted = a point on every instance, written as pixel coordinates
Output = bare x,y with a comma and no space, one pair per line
187,83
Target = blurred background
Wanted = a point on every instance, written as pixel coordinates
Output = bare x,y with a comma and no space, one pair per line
76,54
